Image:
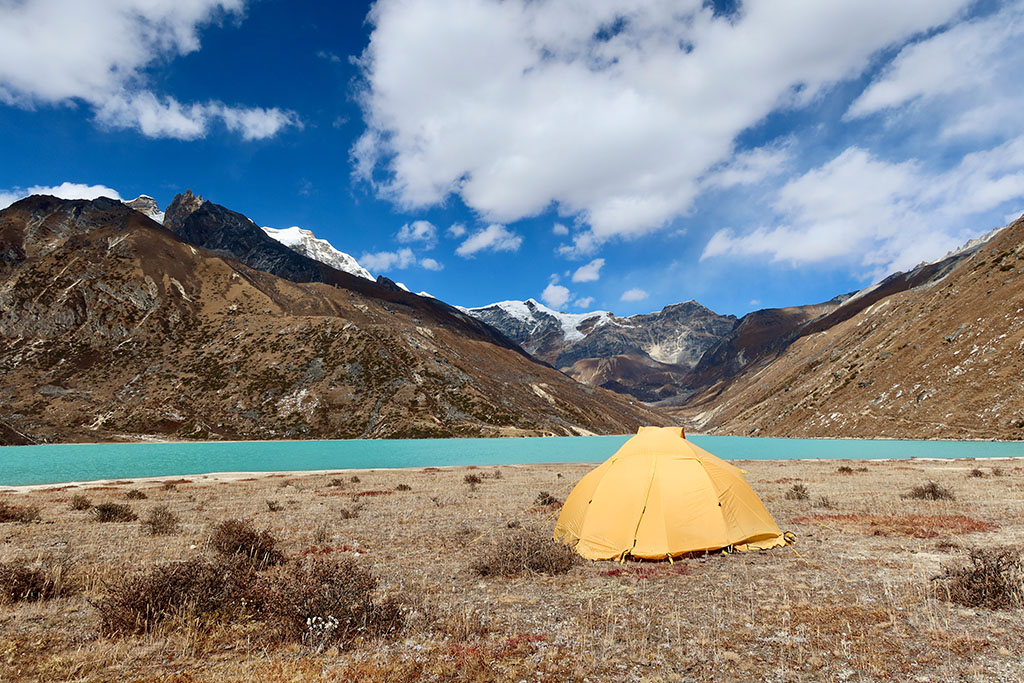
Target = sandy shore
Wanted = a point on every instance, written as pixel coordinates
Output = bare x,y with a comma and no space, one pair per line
852,600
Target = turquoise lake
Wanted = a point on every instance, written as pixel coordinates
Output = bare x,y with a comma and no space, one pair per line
61,463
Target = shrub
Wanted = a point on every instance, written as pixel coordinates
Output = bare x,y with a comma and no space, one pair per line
274,506
524,551
80,502
135,494
544,498
825,502
326,601
322,533
169,486
797,492
976,473
930,491
349,513
354,479
199,588
991,577
113,512
42,580
472,479
18,513
336,482
161,521
403,487
240,537
997,472
845,469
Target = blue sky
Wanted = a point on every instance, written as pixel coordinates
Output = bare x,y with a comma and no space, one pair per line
596,154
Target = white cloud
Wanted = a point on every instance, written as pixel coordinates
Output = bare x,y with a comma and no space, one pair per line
418,231
749,167
590,272
55,52
971,72
65,190
431,264
456,230
634,294
494,237
878,214
583,302
542,108
1013,216
555,296
755,302
386,260
559,229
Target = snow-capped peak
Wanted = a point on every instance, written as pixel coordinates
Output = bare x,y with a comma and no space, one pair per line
531,313
308,244
146,205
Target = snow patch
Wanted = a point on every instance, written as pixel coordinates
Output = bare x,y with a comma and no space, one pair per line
308,244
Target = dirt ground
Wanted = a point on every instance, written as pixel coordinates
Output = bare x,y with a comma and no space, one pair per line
853,599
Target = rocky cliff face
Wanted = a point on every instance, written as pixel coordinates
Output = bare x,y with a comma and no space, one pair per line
112,327
933,353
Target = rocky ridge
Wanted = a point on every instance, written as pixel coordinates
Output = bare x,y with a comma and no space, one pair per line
113,327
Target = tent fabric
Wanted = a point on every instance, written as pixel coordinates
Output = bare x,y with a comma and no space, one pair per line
660,496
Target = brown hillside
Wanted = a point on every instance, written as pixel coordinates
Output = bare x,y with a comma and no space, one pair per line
942,360
112,328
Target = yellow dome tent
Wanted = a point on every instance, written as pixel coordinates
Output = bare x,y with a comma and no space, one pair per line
660,496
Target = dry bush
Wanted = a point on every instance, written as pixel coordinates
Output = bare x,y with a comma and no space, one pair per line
932,490
335,483
797,492
325,602
354,479
135,494
976,473
80,502
403,487
845,469
18,513
472,479
991,577
42,580
825,502
161,521
349,513
274,506
240,537
322,533
544,499
195,589
113,512
997,472
169,486
524,551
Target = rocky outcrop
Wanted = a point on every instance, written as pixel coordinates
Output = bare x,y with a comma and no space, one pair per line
180,208
112,327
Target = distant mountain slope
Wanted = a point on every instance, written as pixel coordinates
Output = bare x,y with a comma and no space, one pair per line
112,327
933,353
652,353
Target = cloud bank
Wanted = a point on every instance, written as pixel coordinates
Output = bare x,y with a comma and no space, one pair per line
61,52
617,113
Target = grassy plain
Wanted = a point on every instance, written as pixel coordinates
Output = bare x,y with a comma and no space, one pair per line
853,599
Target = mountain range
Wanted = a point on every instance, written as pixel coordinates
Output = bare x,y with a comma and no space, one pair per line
114,327
209,326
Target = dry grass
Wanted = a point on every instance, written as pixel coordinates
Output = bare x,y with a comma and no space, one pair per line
113,512
525,551
240,537
931,490
161,521
852,600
